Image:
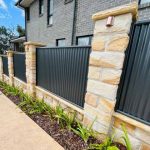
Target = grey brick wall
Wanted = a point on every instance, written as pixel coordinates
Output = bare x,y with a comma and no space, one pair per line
37,29
144,12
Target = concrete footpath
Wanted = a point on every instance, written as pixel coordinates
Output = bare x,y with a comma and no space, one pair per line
19,132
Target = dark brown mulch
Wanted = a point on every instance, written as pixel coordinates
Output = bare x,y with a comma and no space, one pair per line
120,146
14,99
67,139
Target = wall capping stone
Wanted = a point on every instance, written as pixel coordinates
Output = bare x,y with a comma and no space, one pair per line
35,44
124,9
10,53
132,121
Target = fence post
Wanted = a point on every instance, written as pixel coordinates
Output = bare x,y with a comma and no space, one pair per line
30,49
106,61
1,68
10,67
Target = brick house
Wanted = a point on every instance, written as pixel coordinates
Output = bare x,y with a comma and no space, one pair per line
68,21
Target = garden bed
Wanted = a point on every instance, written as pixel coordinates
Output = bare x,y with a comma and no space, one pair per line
66,133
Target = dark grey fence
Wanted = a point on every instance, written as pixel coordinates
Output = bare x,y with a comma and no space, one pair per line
63,71
19,66
134,90
5,65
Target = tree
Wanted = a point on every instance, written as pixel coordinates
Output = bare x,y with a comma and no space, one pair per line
5,36
20,30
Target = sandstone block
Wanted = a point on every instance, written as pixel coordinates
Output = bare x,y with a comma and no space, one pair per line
100,128
111,60
100,116
91,99
122,24
106,105
95,59
97,126
143,135
48,99
145,146
94,72
87,121
102,89
98,43
130,128
135,143
107,59
118,43
110,76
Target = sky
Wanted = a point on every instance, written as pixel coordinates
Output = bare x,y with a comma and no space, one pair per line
10,15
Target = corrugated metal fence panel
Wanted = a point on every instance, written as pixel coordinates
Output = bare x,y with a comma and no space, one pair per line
5,65
134,93
19,66
63,71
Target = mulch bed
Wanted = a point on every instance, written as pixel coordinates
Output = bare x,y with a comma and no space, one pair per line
67,139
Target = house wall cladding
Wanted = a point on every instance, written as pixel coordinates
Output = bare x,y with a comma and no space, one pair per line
63,19
37,29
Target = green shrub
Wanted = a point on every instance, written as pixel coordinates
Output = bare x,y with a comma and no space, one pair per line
84,132
40,107
70,119
60,115
106,145
125,137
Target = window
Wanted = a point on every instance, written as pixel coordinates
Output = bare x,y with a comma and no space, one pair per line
41,7
84,40
144,1
60,42
50,12
27,13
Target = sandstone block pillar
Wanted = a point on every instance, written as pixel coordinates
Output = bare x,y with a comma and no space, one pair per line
10,67
1,68
30,49
106,62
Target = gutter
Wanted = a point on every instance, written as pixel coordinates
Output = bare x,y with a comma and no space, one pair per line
19,5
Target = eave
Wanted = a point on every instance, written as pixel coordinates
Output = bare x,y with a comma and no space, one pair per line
24,3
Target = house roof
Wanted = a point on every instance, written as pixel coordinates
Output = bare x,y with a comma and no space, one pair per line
18,39
24,3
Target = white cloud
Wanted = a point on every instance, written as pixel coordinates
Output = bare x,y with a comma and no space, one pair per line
5,15
3,5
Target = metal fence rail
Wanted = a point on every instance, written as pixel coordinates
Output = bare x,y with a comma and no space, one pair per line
63,71
19,66
5,65
133,94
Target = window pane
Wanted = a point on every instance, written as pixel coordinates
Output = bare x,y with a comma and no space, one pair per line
51,7
41,6
42,9
82,41
50,20
144,1
61,42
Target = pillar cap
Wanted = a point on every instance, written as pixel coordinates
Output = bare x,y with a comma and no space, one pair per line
124,9
9,52
35,44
